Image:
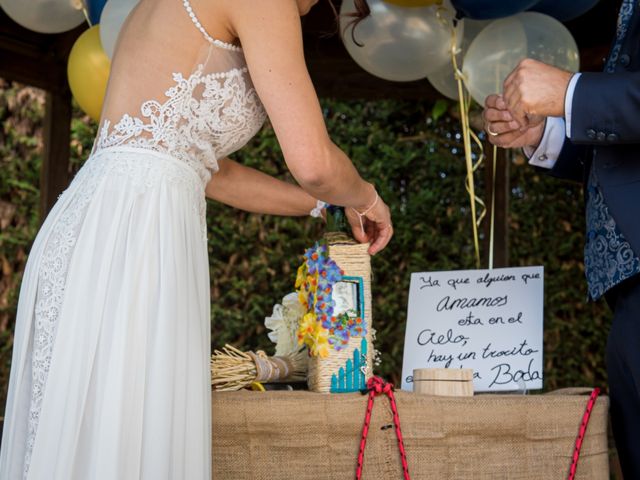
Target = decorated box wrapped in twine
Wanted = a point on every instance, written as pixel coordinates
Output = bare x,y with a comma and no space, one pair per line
347,369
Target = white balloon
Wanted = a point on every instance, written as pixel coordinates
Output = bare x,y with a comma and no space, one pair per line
114,13
443,79
500,46
399,43
45,16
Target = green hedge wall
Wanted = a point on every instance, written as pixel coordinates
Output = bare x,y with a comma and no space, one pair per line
416,162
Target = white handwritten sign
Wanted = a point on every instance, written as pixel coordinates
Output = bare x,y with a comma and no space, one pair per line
487,320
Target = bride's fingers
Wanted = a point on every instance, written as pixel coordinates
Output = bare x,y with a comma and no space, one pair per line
384,234
356,227
358,234
370,228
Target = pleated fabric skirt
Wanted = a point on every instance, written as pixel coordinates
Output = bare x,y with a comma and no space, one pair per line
110,373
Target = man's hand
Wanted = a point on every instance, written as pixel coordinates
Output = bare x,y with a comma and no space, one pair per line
535,89
504,131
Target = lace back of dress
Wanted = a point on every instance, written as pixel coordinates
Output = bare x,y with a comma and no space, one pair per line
192,99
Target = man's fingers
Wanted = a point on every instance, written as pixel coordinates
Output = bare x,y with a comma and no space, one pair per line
493,115
513,99
502,127
506,140
491,101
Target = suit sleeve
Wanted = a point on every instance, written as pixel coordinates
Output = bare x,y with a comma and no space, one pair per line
570,162
605,109
556,155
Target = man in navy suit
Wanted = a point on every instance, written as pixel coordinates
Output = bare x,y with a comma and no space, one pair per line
586,127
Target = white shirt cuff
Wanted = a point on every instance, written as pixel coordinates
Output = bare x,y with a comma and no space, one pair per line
548,151
568,102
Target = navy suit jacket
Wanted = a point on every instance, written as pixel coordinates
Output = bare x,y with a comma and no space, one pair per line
605,130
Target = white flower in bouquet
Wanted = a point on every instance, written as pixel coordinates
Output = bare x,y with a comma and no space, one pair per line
283,324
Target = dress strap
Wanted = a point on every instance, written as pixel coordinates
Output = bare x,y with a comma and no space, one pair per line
209,38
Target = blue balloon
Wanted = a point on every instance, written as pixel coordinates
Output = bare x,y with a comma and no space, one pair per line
94,8
489,9
564,10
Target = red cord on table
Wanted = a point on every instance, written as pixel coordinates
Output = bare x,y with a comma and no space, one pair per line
377,386
582,432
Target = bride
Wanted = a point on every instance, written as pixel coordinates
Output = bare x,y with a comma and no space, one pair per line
110,369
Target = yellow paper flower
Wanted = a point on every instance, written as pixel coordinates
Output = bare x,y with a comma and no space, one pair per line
306,329
302,298
320,341
301,275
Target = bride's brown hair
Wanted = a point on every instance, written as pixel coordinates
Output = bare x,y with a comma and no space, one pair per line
362,12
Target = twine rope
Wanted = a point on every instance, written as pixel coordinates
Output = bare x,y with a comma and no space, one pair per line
269,369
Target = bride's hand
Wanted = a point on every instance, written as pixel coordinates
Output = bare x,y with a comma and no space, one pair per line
376,226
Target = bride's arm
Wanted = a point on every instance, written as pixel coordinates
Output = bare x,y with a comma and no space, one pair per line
271,35
251,190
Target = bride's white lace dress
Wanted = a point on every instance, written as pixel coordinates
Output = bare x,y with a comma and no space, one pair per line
110,374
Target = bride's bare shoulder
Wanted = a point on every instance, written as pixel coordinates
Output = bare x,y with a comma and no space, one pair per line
245,15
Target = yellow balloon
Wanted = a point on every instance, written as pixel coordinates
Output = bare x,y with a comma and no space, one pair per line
88,72
414,3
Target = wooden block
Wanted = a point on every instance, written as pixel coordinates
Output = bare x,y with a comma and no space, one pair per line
447,382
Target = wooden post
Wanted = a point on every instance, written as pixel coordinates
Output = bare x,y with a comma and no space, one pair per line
54,175
501,222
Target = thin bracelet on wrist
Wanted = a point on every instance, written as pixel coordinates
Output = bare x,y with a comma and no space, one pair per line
317,211
367,210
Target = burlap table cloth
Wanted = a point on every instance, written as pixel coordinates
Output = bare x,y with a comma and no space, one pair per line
303,435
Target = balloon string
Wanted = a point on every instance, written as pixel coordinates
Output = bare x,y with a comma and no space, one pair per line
481,158
83,7
468,135
493,207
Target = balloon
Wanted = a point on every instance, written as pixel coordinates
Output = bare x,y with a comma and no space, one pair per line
114,14
564,10
88,72
501,45
414,3
94,8
399,44
45,16
443,79
487,9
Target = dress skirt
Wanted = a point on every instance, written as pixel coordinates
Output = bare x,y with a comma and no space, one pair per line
110,376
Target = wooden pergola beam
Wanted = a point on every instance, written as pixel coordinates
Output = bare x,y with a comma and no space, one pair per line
54,176
40,60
